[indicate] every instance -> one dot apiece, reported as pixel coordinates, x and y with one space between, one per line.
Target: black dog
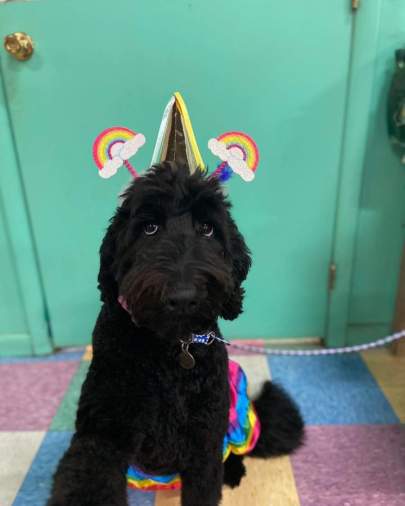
177 260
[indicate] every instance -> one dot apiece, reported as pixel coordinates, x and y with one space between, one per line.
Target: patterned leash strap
322 351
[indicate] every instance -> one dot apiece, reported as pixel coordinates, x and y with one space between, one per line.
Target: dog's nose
182 300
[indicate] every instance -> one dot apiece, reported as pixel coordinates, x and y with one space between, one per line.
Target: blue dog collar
207 338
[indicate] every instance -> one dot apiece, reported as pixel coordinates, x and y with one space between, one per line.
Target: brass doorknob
19 45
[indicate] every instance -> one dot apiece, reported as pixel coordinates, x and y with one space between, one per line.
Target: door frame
365 33
37 340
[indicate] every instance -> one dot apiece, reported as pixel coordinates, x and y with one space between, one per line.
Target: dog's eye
150 228
207 229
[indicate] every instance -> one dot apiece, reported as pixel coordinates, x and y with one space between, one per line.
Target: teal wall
304 94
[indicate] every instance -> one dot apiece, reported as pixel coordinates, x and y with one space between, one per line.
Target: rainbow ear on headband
239 155
113 148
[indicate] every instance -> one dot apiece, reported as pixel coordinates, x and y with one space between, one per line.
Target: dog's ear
107 283
241 262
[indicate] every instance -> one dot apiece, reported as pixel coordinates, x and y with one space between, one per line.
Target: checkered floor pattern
353 405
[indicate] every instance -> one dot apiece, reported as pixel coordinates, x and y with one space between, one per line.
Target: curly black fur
137 404
282 426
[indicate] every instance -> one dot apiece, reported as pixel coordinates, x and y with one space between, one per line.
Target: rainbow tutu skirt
241 437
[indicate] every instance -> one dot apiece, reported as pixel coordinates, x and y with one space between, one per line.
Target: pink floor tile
351 465
31 393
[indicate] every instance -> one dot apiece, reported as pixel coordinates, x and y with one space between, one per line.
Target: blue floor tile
336 389
35 489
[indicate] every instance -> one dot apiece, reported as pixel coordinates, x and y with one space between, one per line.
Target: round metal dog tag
186 359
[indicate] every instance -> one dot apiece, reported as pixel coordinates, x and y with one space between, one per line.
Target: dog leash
187 361
323 351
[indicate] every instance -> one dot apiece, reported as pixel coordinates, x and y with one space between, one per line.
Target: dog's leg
234 470
91 473
202 482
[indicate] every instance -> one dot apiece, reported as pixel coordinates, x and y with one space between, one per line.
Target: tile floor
354 407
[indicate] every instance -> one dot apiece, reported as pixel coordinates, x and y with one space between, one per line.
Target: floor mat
353 406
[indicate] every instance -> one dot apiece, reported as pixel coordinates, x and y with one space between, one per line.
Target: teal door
381 220
277 70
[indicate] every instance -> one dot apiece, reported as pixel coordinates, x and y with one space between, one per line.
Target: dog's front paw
234 470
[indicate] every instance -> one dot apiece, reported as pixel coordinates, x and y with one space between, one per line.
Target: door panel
381 223
96 66
23 325
12 318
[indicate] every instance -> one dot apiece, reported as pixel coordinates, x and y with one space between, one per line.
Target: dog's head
174 254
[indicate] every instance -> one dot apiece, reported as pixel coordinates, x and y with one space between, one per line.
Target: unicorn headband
238 152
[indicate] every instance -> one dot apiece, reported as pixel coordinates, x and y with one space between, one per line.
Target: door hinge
332 277
355 5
